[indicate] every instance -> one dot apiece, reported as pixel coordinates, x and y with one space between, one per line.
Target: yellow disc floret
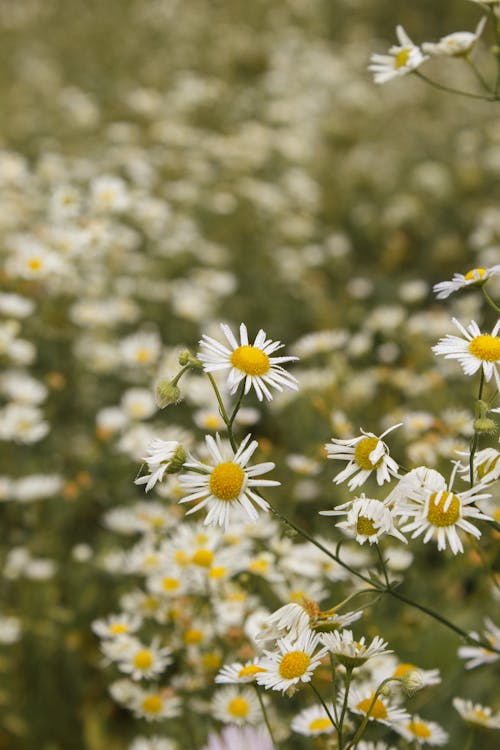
475 274
402 58
485 347
294 664
203 558
378 711
250 360
226 481
362 453
437 515
238 707
403 669
170 584
365 526
152 704
419 729
118 628
250 670
143 660
320 725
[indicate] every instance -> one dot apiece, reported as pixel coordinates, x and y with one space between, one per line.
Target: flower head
293 661
365 454
250 363
361 701
474 277
162 456
240 738
352 653
458 44
367 518
476 715
401 59
228 483
474 351
233 705
476 655
422 732
312 722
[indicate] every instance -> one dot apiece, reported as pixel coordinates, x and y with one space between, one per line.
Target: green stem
334 689
496 26
320 698
475 438
237 405
179 375
348 678
488 299
223 412
265 716
450 90
353 743
470 740
478 75
384 569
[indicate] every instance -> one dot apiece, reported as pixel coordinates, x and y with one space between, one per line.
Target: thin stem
237 406
353 743
488 299
264 714
475 438
321 700
348 678
450 90
181 372
384 569
223 411
334 689
478 75
496 26
470 740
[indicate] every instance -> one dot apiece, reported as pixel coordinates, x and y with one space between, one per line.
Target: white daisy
401 59
240 738
474 277
162 456
360 701
458 44
227 483
144 662
474 351
156 704
115 626
237 673
352 653
312 722
294 661
367 519
365 454
234 705
152 743
440 513
290 620
475 654
486 465
476 715
422 732
251 363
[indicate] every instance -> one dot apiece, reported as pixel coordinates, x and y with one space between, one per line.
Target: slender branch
348 678
384 569
265 716
475 437
450 90
353 743
488 299
223 412
322 701
237 405
482 82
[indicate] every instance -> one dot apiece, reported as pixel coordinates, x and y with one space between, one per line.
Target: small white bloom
365 454
474 351
458 44
144 662
402 59
234 705
237 673
476 715
293 661
312 722
476 655
360 702
352 653
367 519
160 454
474 277
422 732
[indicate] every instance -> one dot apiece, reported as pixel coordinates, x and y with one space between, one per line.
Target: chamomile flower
486 465
440 514
475 654
144 662
474 277
474 351
422 732
312 722
162 456
250 363
458 44
401 59
237 673
352 653
234 705
291 620
365 454
116 626
155 705
360 702
476 715
228 483
293 661
367 519
240 738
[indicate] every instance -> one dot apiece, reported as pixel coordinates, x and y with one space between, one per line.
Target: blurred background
165 165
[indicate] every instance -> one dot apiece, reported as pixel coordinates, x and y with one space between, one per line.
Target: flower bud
412 682
177 461
167 394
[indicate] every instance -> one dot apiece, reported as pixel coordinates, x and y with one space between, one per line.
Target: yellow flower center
378 711
203 558
212 422
152 704
485 347
362 453
217 572
193 636
143 659
436 515
403 669
250 360
238 707
250 670
169 584
319 725
294 664
143 355
226 481
401 58
211 660
181 558
475 274
258 566
35 264
481 715
419 729
118 628
365 526
486 466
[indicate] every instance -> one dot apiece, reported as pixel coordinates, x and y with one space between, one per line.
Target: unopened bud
412 682
177 461
485 425
186 358
167 394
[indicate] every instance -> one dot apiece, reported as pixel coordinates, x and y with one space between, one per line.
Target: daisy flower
477 655
359 702
250 363
486 465
365 454
227 483
441 513
162 456
115 626
367 518
476 715
294 661
312 722
474 351
290 620
237 673
474 277
144 662
239 738
156 705
401 59
422 732
351 653
236 706
458 44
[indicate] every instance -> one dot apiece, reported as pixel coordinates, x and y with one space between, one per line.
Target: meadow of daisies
250 374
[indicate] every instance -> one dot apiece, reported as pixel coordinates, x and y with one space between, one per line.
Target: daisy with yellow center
252 364
360 702
293 661
156 705
400 60
440 513
351 653
367 519
476 715
422 732
366 454
234 705
116 626
312 722
227 485
237 673
478 656
474 351
474 277
145 662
